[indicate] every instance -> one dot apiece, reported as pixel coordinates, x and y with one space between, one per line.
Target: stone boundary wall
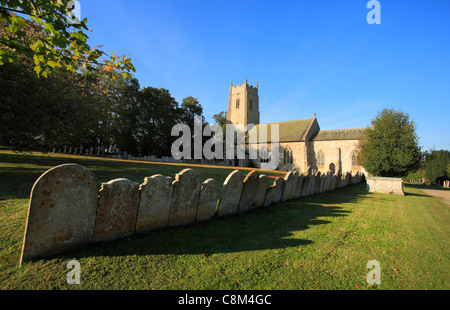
69 209
385 185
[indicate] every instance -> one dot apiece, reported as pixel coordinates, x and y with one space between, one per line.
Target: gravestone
327 181
117 209
263 185
333 182
317 184
62 210
299 186
207 201
312 183
290 184
249 190
155 200
186 190
274 192
231 194
306 181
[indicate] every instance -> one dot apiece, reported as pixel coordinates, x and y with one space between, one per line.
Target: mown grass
318 242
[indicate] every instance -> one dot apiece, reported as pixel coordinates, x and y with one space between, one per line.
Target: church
302 145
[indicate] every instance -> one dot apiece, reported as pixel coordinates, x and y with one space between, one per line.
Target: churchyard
317 242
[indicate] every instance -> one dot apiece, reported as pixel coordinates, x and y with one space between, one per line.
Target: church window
355 159
251 104
237 104
332 168
288 159
320 159
263 154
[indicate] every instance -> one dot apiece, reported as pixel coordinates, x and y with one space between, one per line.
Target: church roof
340 134
289 131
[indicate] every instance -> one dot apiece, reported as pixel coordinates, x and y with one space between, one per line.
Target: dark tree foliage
390 147
437 165
97 108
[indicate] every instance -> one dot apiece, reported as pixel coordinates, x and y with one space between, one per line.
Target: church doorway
332 168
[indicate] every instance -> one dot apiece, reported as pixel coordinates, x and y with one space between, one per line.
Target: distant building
303 145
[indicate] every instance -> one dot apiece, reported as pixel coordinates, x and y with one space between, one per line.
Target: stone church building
302 144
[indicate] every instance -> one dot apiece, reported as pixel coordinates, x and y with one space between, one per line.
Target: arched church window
332 168
320 159
263 154
251 104
237 104
288 159
355 159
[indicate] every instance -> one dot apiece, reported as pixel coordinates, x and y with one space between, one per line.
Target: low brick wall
385 185
68 207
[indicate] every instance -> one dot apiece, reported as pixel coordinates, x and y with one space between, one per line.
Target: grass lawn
318 242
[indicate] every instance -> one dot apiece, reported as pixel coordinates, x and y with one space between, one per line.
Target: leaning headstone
263 185
186 189
207 201
62 210
117 209
333 182
306 181
231 194
326 186
312 183
155 199
274 192
290 182
317 184
348 178
299 186
249 190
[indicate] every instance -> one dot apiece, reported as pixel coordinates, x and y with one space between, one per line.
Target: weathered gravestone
117 209
231 194
305 188
273 194
290 185
317 184
207 202
154 203
249 190
186 190
299 186
322 183
312 184
61 213
332 182
263 185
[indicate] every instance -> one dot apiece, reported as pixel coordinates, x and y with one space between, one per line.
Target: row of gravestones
68 208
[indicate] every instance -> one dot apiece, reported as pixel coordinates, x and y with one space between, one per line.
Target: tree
41 114
390 147
63 44
158 113
436 165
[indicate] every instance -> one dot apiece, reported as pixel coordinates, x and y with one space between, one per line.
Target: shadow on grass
271 227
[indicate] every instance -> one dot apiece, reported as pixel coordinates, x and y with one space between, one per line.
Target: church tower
243 105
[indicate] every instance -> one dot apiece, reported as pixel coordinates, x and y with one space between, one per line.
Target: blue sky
312 56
